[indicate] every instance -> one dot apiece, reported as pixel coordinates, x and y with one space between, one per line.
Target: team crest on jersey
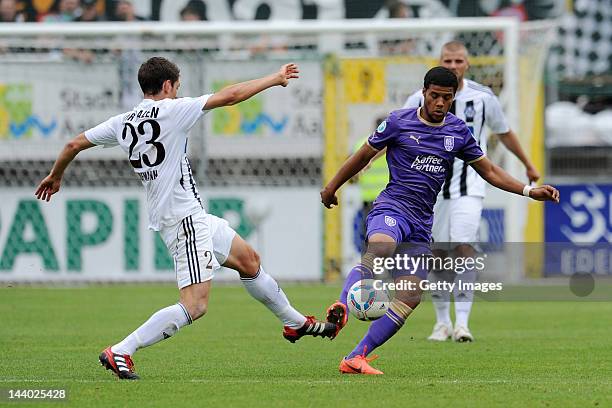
449 143
381 128
390 221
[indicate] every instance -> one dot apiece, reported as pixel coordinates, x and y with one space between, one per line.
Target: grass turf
526 353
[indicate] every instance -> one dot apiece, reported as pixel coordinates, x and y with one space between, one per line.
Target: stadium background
262 163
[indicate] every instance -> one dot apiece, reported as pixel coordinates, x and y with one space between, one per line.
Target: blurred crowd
48 11
224 10
64 11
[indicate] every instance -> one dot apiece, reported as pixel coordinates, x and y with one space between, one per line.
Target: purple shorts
413 241
387 220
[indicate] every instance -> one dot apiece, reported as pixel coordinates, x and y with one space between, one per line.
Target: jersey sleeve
414 101
385 134
494 115
188 110
106 133
470 151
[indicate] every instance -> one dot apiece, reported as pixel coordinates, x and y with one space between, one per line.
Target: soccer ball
365 302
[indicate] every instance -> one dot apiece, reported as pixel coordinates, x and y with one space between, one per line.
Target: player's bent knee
464 250
410 298
381 249
381 245
249 264
197 310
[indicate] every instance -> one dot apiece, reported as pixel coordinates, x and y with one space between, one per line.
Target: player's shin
383 329
265 289
161 325
363 270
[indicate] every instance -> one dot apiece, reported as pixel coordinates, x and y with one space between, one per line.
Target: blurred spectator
401 45
515 9
195 10
9 12
398 9
90 11
64 11
89 14
125 11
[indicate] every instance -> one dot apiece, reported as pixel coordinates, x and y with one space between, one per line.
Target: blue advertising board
578 231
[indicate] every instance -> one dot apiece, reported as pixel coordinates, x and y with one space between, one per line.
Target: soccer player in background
421 144
154 136
459 206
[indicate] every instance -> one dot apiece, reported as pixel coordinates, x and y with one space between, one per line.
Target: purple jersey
419 155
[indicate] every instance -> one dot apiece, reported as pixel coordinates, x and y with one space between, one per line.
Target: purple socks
379 332
357 273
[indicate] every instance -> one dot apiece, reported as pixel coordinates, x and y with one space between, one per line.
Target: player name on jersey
148 175
154 137
143 113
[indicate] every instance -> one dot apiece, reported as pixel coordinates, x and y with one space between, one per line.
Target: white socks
166 322
162 325
463 298
441 298
264 288
462 312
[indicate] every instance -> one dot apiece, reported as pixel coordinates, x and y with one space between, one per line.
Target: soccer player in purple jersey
422 144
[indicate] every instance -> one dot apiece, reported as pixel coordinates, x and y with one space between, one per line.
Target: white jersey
154 136
477 106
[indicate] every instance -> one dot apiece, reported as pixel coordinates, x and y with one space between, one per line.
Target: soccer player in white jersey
154 136
459 206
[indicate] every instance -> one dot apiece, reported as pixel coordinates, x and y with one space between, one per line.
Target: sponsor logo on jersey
390 221
428 163
449 143
381 128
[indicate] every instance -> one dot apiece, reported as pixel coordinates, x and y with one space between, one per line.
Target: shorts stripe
187 251
195 249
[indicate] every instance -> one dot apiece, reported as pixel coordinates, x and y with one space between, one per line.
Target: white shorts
199 245
457 220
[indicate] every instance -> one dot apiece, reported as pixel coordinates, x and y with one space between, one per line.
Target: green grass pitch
526 354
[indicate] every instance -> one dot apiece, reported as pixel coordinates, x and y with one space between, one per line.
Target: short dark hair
442 77
195 7
154 72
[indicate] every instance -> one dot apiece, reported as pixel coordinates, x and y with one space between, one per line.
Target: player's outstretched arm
498 177
233 94
511 141
51 184
349 169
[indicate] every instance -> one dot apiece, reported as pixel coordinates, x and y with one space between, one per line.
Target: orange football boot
359 365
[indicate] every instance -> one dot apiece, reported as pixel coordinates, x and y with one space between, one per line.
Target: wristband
526 190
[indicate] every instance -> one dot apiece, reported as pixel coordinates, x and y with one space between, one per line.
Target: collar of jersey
465 85
429 123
